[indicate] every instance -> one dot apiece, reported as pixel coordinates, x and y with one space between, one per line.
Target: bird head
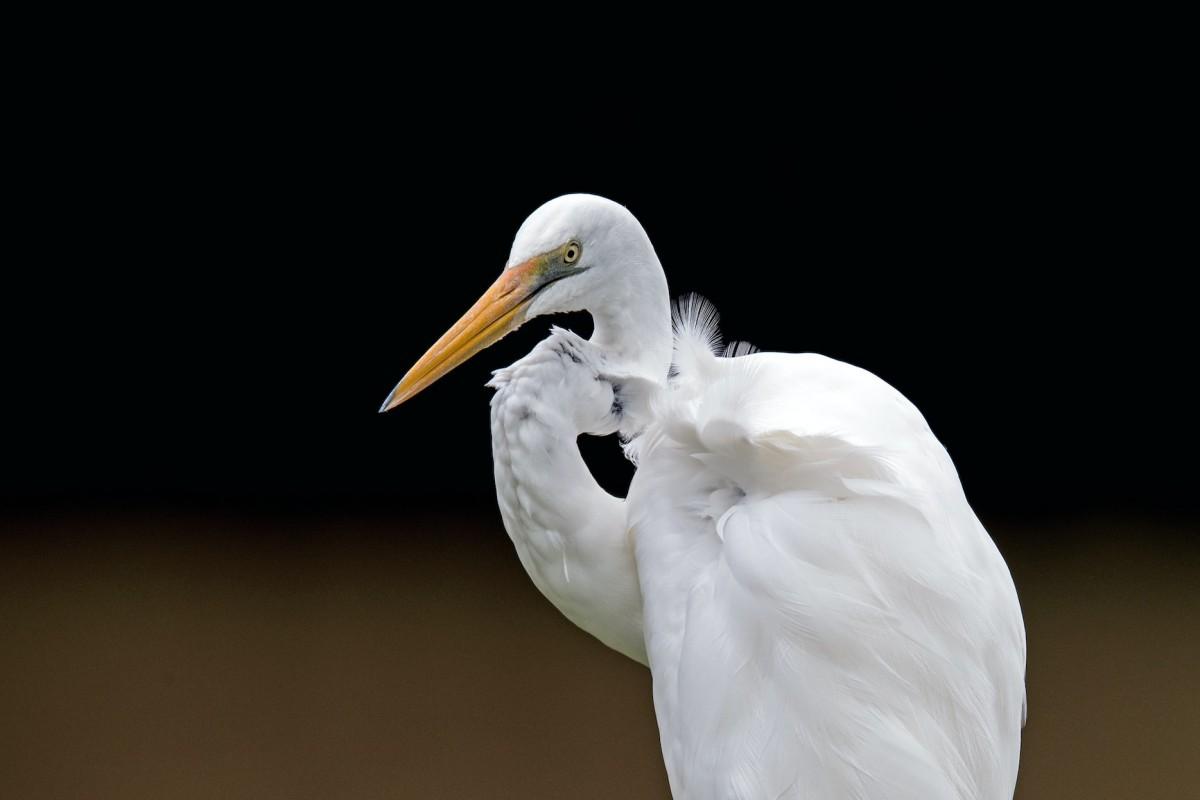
566 257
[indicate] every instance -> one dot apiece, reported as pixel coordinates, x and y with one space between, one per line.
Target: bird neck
632 318
569 533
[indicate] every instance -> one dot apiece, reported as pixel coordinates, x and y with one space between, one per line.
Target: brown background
334 656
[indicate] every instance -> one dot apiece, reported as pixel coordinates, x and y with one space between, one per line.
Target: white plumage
823 614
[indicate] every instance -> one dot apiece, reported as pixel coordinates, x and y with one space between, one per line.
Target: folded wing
825 616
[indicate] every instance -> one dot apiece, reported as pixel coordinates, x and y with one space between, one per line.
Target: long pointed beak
500 311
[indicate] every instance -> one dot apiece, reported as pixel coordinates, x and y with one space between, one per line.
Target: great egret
822 613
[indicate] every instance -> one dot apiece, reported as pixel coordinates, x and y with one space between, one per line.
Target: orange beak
500 311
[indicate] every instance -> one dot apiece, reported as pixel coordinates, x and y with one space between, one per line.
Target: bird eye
572 251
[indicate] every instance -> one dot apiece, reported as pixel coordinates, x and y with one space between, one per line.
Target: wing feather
825 616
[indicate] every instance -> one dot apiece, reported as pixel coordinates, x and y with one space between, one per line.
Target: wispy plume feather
739 348
696 322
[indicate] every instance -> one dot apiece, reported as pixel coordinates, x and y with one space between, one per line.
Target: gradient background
222 574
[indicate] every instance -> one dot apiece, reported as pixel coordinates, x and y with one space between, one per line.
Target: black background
231 269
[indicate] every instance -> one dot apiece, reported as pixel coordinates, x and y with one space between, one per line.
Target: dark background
224 572
244 276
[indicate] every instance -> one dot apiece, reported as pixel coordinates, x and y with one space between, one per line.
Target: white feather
841 583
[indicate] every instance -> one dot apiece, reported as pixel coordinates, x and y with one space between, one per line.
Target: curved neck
632 316
569 533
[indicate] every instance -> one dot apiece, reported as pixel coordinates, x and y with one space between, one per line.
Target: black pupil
571 253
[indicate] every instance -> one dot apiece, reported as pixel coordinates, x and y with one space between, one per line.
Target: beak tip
388 405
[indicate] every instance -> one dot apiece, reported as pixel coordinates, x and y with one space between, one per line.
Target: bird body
822 613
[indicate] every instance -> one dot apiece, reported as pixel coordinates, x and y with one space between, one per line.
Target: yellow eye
572 252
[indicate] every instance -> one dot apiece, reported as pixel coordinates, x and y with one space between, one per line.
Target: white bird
822 613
